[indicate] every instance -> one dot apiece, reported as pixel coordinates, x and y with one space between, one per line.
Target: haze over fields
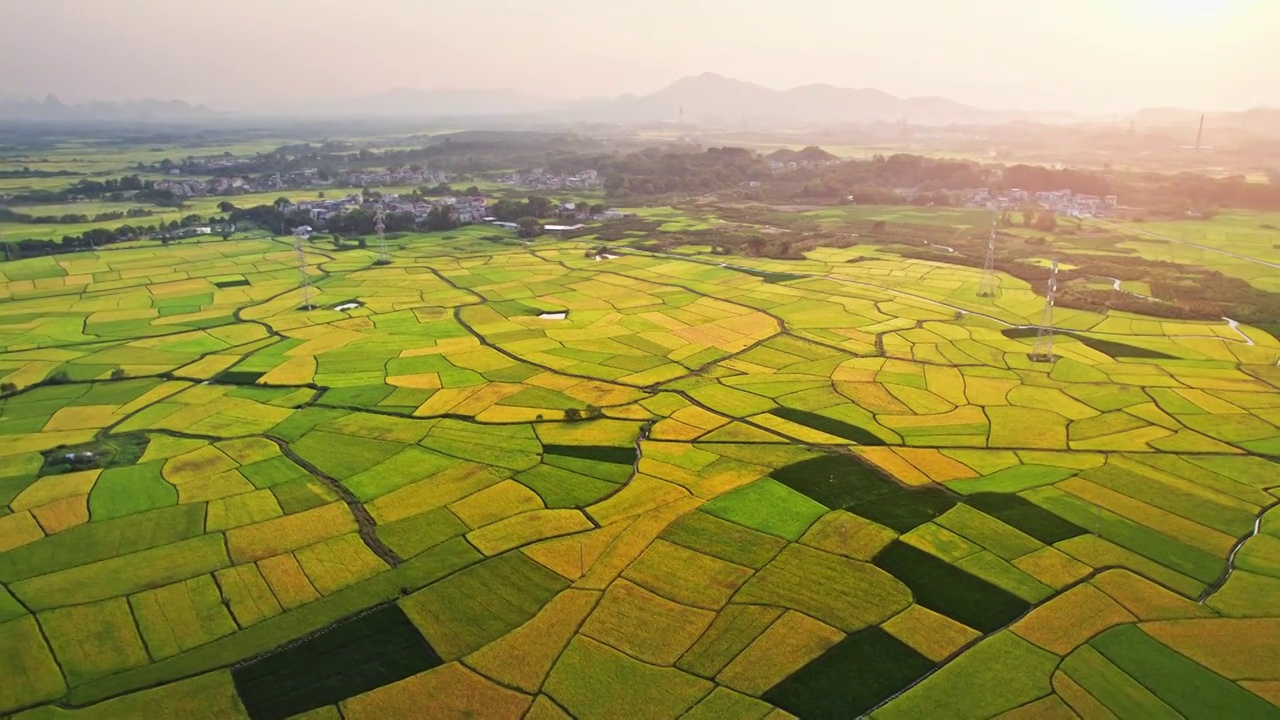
1089 56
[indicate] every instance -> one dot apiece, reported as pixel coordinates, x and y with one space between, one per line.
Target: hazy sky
1078 55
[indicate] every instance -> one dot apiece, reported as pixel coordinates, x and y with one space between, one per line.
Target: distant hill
811 154
51 109
713 98
706 98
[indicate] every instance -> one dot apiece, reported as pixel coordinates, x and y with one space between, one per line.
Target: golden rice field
690 492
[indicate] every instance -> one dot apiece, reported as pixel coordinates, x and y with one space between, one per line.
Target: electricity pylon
1042 351
381 229
987 286
301 255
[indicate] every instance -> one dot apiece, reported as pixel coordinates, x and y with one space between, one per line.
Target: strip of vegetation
1018 512
238 377
1109 348
946 589
602 453
842 482
853 676
354 656
770 277
828 425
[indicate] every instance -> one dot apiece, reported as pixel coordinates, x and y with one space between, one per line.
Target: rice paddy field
511 481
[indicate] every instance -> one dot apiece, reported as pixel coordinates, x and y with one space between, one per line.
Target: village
307 179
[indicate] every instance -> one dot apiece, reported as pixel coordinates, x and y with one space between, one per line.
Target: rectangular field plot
351 657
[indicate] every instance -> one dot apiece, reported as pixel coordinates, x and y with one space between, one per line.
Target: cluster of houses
1061 202
299 179
540 179
466 209
789 165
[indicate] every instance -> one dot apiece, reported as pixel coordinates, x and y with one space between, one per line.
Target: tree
227 206
119 374
281 203
442 217
8 388
597 209
1046 221
529 227
572 414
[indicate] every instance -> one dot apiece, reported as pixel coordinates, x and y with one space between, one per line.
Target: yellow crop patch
1071 619
291 532
451 691
788 645
843 533
213 487
642 494
687 577
287 581
206 460
1145 599
62 514
523 657
338 562
632 541
55 487
571 556
83 417
18 529
435 491
248 596
1052 567
1236 648
644 625
293 371
894 464
246 451
495 503
935 465
526 528
928 633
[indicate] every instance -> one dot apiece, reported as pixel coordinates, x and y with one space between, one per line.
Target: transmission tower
381 229
302 270
1042 351
987 286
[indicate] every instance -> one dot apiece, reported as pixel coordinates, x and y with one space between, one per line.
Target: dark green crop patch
946 589
853 676
602 453
353 656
